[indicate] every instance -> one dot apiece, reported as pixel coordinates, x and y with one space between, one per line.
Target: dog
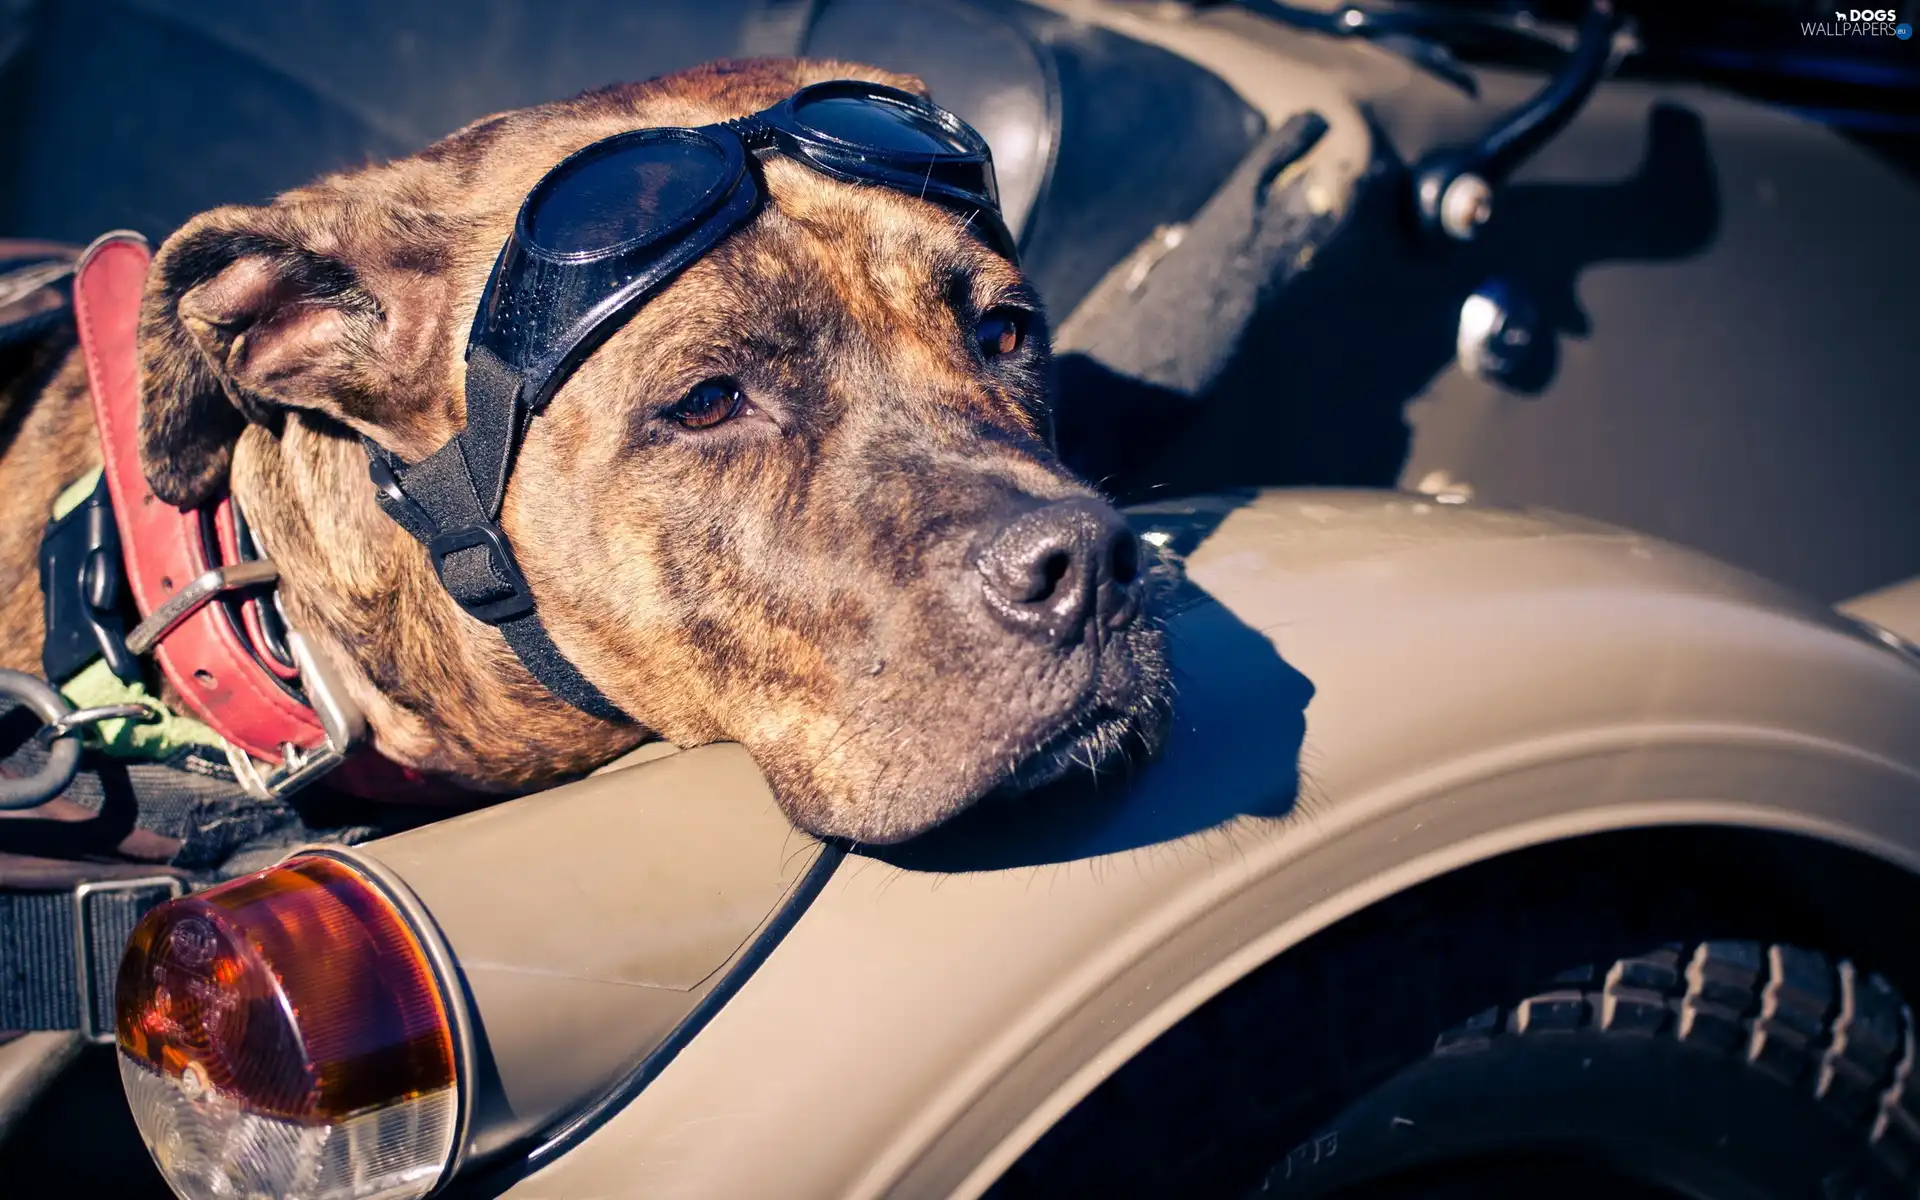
873 570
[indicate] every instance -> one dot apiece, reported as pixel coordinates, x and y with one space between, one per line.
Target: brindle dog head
804 500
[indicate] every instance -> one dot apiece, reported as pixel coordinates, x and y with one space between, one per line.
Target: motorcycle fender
1373 689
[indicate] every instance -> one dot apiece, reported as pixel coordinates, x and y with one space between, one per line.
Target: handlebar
1453 188
1419 32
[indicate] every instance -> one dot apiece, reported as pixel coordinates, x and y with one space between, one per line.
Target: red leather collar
166 548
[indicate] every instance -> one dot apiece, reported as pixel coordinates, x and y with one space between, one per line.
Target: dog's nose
1053 571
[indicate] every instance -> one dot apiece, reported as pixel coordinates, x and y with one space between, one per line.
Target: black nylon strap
40 953
530 641
493 427
450 503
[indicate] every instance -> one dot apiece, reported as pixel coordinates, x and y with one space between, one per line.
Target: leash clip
343 724
146 712
63 755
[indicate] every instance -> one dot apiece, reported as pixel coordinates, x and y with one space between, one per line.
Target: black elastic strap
40 952
556 671
450 503
493 427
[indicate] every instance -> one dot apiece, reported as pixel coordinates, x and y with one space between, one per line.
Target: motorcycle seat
1097 139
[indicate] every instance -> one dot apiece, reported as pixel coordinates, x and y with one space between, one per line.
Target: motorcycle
1518 392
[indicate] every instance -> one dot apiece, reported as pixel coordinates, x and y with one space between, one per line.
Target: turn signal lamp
286 1034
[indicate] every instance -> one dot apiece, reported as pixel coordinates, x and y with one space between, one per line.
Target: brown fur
795 579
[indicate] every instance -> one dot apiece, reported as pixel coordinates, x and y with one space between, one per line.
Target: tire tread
1290 1047
1845 1037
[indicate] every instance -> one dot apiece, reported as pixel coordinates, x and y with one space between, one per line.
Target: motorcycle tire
1643 1028
1727 1069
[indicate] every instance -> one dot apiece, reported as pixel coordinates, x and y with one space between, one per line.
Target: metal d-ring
63 757
146 712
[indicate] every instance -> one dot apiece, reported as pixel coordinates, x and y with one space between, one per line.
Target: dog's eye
710 402
1002 331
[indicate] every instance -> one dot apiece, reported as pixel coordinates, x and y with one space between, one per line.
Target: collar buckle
197 595
342 723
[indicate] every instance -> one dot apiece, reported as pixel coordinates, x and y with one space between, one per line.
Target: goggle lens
875 123
629 194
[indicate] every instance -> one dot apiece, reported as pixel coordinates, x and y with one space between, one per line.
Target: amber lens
298 993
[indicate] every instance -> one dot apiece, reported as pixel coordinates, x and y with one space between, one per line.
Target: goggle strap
450 500
431 496
534 647
450 503
493 427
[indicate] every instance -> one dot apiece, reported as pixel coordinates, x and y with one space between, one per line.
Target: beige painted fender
1448 683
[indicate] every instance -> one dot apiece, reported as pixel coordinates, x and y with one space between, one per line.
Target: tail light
287 1034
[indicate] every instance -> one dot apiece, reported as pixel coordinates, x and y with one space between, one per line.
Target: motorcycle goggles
600 234
615 222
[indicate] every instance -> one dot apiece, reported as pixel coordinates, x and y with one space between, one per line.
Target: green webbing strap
76 491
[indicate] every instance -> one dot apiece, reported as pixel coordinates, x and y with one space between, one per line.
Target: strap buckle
342 723
196 596
95 1006
63 755
492 591
81 577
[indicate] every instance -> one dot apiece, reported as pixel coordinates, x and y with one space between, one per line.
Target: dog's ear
252 311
